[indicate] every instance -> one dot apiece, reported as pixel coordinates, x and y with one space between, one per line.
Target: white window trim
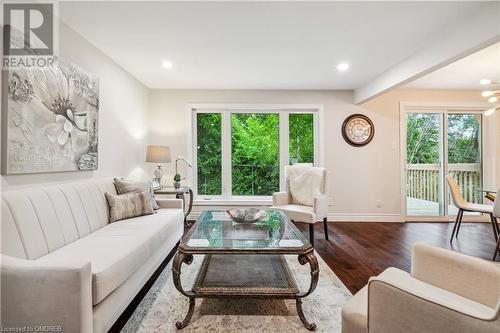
283 110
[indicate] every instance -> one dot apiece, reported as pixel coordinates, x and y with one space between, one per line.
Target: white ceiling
255 45
464 73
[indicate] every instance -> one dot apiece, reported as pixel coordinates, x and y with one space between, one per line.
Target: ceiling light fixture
492 95
343 66
166 64
489 112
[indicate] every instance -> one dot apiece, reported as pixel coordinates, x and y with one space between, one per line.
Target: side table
179 194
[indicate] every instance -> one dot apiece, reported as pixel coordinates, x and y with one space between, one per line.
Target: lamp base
159 173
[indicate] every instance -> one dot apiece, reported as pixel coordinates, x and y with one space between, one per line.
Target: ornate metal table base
227 275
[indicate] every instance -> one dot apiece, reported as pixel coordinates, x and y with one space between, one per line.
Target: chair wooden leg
326 227
459 223
311 234
456 224
495 227
497 249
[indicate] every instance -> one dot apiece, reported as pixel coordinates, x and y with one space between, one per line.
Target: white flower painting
52 120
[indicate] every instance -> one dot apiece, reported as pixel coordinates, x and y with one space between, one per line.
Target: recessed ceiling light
343 66
487 93
485 81
166 64
493 99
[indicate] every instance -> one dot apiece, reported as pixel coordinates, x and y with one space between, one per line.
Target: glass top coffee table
244 260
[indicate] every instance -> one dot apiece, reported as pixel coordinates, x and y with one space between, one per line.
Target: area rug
163 305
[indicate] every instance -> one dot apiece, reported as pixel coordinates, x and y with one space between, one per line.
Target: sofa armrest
470 277
54 294
170 203
280 198
320 206
398 305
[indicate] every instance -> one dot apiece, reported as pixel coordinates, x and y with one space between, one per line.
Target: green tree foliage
301 138
423 138
463 138
209 153
255 151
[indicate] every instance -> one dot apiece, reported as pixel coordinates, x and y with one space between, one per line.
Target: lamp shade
158 154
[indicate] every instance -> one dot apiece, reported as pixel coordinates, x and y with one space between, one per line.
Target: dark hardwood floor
358 250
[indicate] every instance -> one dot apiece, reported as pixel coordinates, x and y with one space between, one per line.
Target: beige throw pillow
124 206
126 186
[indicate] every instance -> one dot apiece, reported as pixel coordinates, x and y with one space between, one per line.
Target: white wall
123 126
358 177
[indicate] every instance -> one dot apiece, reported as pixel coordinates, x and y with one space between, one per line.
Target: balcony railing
422 181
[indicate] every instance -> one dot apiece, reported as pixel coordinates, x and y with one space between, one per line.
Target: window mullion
226 155
284 150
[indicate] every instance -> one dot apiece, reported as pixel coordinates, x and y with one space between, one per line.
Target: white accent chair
496 214
305 197
464 206
446 292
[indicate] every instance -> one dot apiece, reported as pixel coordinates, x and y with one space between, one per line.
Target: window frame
226 110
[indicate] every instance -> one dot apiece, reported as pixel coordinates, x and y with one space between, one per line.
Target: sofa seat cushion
117 250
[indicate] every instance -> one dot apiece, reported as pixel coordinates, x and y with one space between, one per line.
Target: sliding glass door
424 164
464 156
439 144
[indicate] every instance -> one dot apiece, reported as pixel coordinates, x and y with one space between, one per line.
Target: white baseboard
346 217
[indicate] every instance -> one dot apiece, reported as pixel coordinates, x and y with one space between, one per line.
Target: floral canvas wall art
52 119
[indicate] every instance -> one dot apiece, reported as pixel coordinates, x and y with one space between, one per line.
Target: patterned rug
164 305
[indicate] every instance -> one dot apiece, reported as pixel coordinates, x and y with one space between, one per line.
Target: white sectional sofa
64 265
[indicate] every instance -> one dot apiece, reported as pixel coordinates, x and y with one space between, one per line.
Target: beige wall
358 177
131 116
390 103
123 127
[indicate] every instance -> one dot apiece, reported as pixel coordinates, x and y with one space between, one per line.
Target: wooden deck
420 207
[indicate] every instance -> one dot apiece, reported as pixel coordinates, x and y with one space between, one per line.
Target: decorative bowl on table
247 215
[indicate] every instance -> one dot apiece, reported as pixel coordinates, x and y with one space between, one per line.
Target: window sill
232 202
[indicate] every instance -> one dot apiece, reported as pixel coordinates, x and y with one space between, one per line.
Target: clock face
358 130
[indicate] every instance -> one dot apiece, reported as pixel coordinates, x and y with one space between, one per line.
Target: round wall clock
358 130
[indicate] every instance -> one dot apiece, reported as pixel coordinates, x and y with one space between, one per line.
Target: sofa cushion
117 250
37 221
126 186
124 206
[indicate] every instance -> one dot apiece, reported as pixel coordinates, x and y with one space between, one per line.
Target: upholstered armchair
305 197
445 292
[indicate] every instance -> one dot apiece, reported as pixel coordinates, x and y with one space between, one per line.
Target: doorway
439 143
